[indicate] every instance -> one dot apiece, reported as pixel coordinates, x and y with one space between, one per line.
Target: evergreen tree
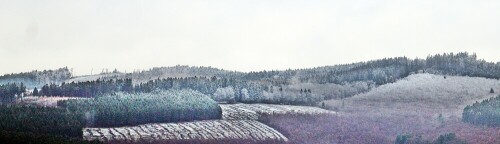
492 91
35 92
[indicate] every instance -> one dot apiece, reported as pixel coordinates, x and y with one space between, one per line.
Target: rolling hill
417 94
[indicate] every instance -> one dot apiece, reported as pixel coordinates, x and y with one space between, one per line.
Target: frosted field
198 131
252 111
419 95
239 122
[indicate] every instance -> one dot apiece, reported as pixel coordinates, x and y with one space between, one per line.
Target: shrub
449 138
402 139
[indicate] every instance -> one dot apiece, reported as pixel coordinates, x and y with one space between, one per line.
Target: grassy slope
413 105
421 94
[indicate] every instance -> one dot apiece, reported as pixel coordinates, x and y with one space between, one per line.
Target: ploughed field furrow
234 112
200 130
252 111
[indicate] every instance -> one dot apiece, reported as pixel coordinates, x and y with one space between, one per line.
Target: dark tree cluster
86 89
448 138
305 91
40 120
8 92
463 64
202 84
485 113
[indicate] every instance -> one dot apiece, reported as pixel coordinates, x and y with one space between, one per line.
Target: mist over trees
37 78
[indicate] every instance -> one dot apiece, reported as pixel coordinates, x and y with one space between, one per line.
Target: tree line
40 120
87 89
483 113
8 92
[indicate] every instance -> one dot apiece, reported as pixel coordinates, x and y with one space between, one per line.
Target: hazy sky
243 35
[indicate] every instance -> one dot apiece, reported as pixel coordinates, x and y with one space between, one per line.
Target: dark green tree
35 92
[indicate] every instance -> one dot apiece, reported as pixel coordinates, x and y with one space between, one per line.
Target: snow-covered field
43 101
252 111
196 131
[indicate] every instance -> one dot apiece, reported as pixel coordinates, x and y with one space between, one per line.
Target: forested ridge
277 86
183 93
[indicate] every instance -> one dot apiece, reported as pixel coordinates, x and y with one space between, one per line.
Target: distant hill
161 73
380 71
37 78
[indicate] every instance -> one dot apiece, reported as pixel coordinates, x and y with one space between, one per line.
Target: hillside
421 93
424 106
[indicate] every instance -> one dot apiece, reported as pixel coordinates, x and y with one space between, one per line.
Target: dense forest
123 109
40 120
485 113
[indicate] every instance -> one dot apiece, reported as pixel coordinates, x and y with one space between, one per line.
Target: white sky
243 35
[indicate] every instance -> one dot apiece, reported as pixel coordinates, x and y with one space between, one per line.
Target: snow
252 111
199 130
239 122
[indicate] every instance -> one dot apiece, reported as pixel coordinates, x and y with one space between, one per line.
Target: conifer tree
35 92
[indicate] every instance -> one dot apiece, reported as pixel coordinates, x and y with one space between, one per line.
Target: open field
359 129
420 95
253 111
239 124
421 104
193 131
